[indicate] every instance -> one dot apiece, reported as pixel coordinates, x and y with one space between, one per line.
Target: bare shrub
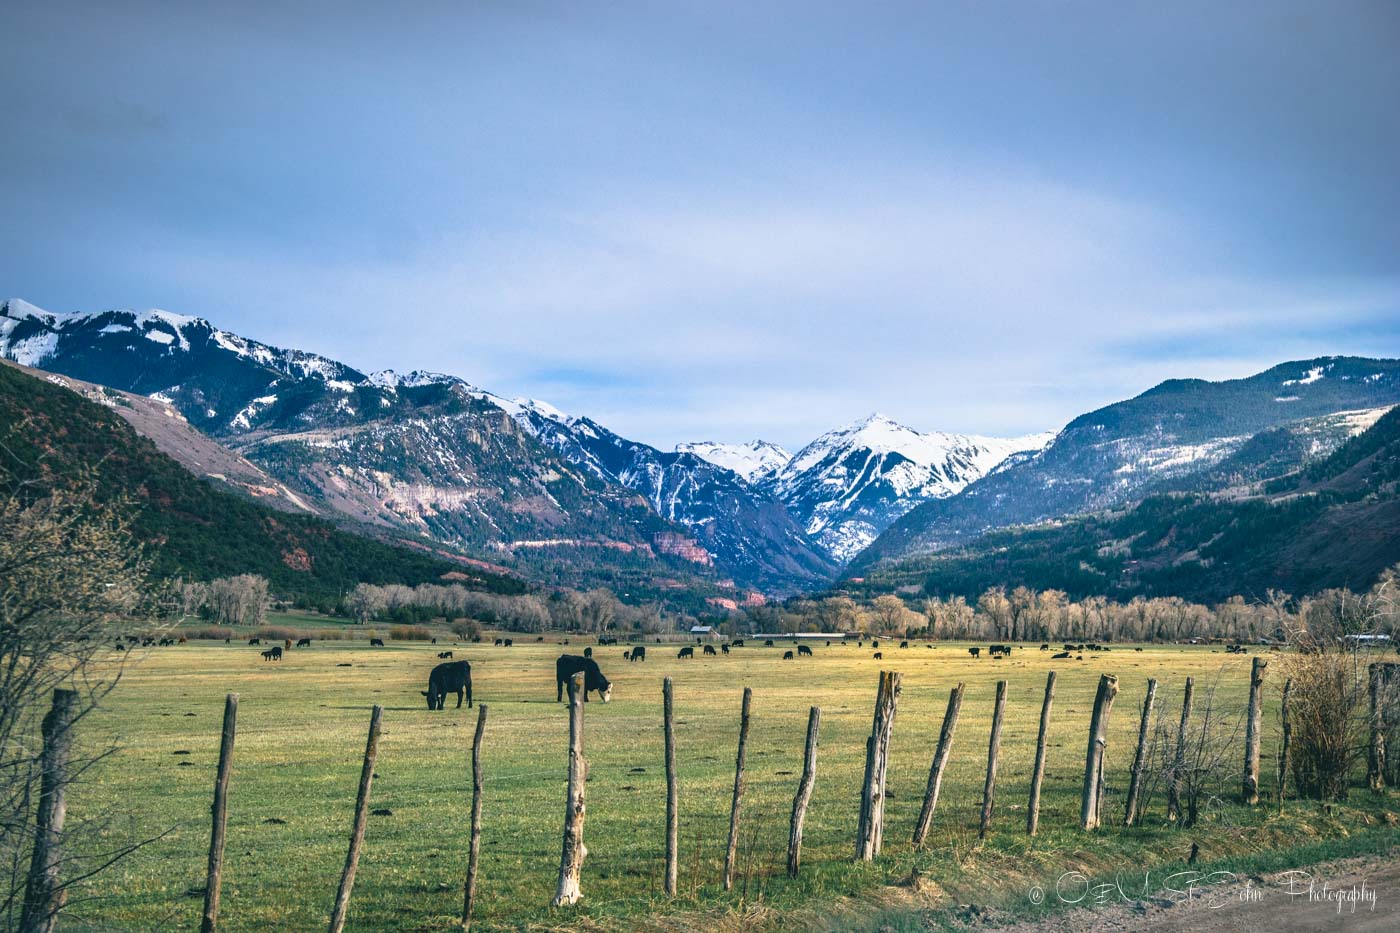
409 633
277 633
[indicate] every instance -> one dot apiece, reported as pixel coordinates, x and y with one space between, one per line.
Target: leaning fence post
44 895
357 833
993 751
940 761
871 830
1284 762
474 847
215 878
733 848
1140 758
804 792
1091 808
672 792
1250 790
1179 759
1038 772
1375 760
574 851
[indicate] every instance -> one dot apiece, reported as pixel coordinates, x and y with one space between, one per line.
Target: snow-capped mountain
1175 431
850 484
430 453
753 461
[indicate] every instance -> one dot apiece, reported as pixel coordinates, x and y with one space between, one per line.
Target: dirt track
1357 894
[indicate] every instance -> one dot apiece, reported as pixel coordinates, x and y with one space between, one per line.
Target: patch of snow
1287 398
160 336
116 329
244 419
754 459
1312 376
31 351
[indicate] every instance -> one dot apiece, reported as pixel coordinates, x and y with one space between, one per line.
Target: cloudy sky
718 220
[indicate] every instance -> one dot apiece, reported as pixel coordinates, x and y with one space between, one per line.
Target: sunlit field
301 734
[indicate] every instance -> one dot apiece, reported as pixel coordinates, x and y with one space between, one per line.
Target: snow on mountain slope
752 461
850 484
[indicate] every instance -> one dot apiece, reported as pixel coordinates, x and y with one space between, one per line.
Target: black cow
452 677
303 643
874 644
272 654
570 664
1062 654
768 643
724 647
709 649
803 649
588 652
904 644
879 656
255 641
787 655
997 650
687 652
1137 649
975 652
498 642
509 642
639 653
444 654
737 643
1045 647
376 643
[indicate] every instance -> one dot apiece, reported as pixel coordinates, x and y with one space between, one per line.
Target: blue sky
725 221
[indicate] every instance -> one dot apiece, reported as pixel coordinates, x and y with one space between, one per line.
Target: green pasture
301 735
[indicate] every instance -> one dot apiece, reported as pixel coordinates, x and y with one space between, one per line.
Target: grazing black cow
303 643
606 640
803 649
904 644
452 677
541 638
768 643
255 641
879 656
860 644
1079 657
509 642
787 655
121 647
444 654
709 649
570 664
1045 647
975 652
874 644
376 643
1137 649
435 641
724 647
272 654
687 652
738 643
566 641
1062 654
587 652
498 642
639 653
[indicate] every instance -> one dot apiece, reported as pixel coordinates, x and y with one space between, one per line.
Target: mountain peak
752 460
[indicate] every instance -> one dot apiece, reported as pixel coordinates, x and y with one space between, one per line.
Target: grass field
301 735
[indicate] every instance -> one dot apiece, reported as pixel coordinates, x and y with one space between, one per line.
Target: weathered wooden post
1038 772
215 878
44 895
993 751
804 792
1284 755
474 847
1179 759
1253 726
733 848
571 858
940 761
871 830
672 792
1130 813
1091 807
1381 675
357 832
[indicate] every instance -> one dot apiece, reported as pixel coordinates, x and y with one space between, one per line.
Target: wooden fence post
357 832
1179 759
871 830
1253 726
574 851
804 792
1376 761
474 847
1284 761
1038 772
215 878
1091 808
1130 813
940 761
672 792
993 751
733 848
44 895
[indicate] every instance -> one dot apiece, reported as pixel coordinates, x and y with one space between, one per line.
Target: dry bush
410 633
277 633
